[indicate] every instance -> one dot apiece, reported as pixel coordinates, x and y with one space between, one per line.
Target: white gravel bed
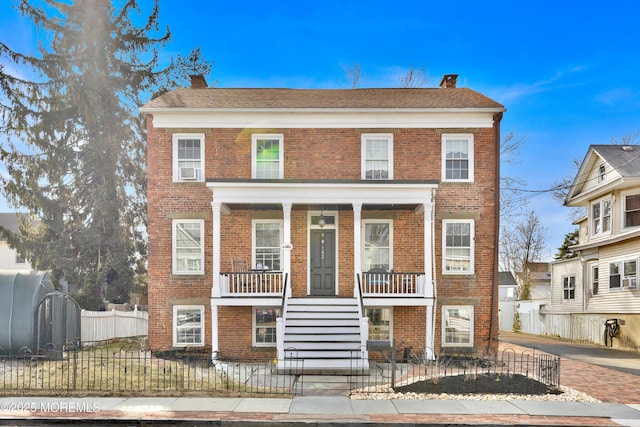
386 393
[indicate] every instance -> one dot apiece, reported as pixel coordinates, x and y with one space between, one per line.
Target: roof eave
151 110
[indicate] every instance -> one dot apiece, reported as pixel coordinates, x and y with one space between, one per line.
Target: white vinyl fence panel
105 325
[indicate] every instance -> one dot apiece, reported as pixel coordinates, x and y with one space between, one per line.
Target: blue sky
567 74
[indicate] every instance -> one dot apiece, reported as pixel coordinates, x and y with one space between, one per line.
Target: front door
322 262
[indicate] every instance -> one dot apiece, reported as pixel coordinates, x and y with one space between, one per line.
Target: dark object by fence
611 329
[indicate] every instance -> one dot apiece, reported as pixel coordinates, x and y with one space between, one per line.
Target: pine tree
570 239
76 154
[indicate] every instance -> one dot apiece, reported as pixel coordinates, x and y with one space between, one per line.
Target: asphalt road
620 360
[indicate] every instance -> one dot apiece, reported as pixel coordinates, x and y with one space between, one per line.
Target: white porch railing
252 283
393 284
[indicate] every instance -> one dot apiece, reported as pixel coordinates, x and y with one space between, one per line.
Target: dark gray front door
322 263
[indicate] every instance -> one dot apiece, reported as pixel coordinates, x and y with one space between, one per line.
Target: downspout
433 272
494 290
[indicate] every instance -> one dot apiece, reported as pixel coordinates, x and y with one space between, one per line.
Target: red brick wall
318 154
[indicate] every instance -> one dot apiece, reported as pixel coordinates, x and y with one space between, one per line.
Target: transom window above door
377 156
267 158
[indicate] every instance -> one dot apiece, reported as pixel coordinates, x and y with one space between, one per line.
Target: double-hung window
267 244
379 323
623 274
632 210
377 156
595 279
458 247
264 326
188 325
569 287
457 326
377 244
188 157
457 157
188 246
602 173
601 217
267 156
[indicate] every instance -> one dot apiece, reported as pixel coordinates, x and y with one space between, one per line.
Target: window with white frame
267 244
569 287
379 323
458 247
188 246
602 173
377 250
601 217
377 156
632 210
267 153
595 279
188 157
457 326
264 326
457 157
623 274
188 325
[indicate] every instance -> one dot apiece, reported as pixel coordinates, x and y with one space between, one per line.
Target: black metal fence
101 371
403 372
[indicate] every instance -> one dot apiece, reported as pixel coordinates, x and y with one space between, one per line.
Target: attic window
602 173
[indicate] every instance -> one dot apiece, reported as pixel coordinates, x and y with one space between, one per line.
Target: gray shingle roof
10 221
626 162
421 98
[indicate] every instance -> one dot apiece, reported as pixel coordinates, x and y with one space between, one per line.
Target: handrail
360 296
284 294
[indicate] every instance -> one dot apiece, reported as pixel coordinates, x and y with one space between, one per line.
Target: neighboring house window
632 210
188 157
188 325
264 326
378 241
377 156
623 274
457 242
188 246
379 323
602 173
594 279
457 326
267 156
601 217
457 157
569 287
267 244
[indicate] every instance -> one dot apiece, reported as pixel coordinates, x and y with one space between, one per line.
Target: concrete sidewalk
307 411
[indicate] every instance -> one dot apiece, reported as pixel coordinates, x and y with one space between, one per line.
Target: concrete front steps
322 336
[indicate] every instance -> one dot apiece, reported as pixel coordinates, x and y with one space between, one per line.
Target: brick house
304 223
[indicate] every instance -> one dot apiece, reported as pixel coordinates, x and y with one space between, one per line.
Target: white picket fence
104 325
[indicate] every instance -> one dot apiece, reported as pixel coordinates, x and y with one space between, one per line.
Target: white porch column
357 245
430 333
286 238
216 208
429 249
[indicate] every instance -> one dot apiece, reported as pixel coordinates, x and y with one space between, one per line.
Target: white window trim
471 326
174 259
568 288
472 263
469 138
254 141
178 136
253 238
175 325
390 319
592 218
363 155
623 212
602 172
363 236
593 266
254 325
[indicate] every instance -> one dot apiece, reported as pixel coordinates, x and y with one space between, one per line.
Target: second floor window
601 217
458 248
267 244
457 157
377 156
188 157
632 210
267 156
377 237
188 247
569 287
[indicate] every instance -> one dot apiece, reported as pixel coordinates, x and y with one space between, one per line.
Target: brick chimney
448 80
198 81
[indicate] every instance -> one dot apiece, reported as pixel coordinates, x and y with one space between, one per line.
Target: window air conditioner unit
630 283
188 173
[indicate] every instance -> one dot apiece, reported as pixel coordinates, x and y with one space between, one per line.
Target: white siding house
9 258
